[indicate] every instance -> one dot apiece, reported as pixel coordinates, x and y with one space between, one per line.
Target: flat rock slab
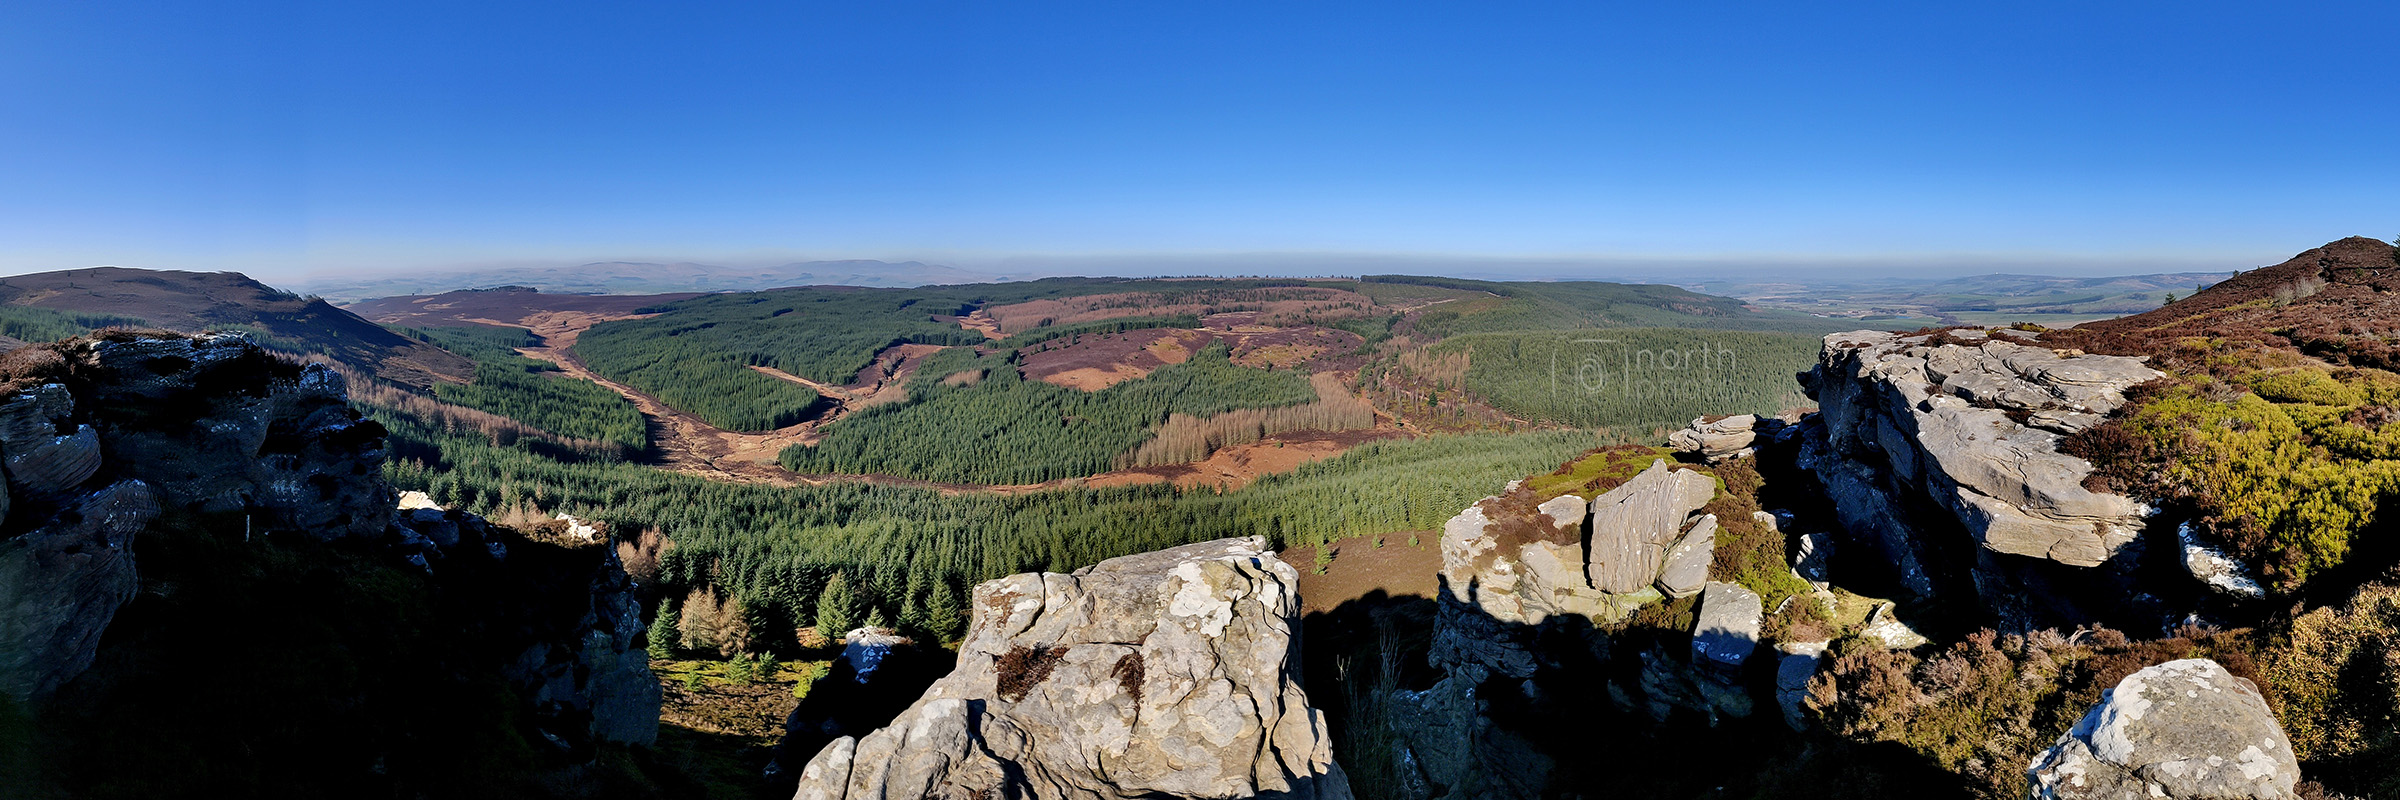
1727 630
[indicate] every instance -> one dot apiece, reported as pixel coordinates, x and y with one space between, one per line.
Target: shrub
2337 677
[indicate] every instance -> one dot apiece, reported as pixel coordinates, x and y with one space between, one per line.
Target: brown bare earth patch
1098 361
1359 568
1282 305
1093 379
1287 348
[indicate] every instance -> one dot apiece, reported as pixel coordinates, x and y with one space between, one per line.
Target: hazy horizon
294 142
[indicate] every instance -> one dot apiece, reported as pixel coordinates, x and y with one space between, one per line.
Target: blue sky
338 137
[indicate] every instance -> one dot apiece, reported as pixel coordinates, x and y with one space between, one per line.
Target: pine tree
663 632
837 607
941 611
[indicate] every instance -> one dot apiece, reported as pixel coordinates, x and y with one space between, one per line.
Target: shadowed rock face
61 584
2184 729
1165 674
104 437
103 433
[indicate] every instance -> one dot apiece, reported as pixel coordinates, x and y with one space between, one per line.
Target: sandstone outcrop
2184 729
1521 606
1500 583
1972 422
215 425
1165 674
1723 438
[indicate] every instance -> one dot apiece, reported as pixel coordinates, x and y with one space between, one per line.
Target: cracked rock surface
2184 729
1973 421
1163 674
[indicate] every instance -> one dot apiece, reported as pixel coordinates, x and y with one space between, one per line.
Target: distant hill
199 301
506 305
2339 302
640 277
1975 299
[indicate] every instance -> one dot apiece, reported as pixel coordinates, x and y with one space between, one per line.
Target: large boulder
1633 525
1165 674
2184 729
561 608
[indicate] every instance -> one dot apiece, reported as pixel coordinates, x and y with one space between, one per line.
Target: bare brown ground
1096 362
1282 305
751 710
981 321
1099 361
1360 568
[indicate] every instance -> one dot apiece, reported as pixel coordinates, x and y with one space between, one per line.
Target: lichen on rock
2184 729
1213 710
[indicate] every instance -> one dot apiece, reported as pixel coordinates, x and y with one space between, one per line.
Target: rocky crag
1165 674
142 464
1940 454
1535 594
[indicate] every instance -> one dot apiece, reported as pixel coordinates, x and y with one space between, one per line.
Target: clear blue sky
279 139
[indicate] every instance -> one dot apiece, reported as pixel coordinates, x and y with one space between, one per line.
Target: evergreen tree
662 630
942 612
837 607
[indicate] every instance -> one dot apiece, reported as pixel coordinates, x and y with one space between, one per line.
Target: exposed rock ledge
1165 674
1972 421
2184 729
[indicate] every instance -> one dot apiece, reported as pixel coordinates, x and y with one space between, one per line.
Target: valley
1434 462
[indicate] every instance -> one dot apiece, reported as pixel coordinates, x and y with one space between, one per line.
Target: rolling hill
200 301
